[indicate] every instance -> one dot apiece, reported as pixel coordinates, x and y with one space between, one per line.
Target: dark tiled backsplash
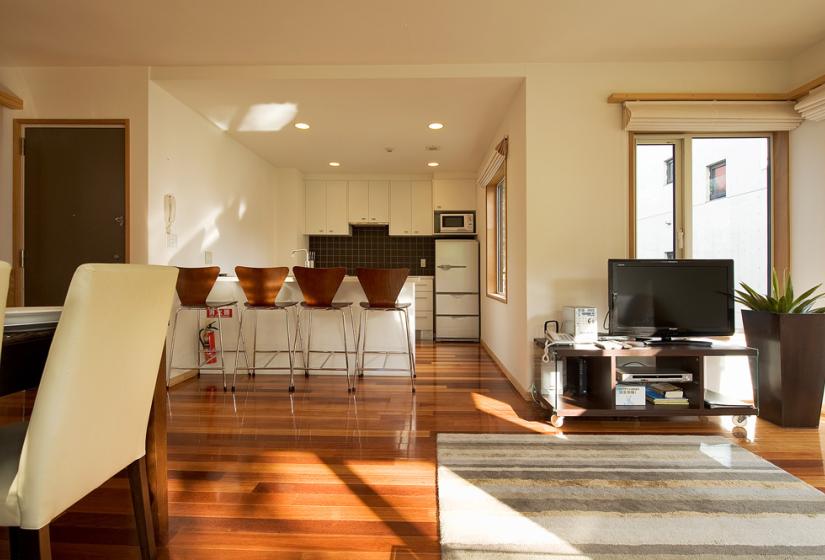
372 246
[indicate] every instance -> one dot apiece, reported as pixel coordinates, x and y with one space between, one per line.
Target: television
671 298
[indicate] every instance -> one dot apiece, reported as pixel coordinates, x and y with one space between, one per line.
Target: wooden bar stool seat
382 287
261 287
319 286
193 287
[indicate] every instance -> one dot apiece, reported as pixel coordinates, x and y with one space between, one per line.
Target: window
717 184
497 238
696 216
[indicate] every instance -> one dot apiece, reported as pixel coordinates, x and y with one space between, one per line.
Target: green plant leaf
781 299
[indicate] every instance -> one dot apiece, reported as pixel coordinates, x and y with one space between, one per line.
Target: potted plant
789 332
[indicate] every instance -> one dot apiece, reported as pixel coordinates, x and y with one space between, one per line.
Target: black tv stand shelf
598 398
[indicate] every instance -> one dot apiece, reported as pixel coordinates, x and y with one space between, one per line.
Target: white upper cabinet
316 207
326 208
400 208
422 208
359 202
379 195
369 202
337 223
411 208
454 194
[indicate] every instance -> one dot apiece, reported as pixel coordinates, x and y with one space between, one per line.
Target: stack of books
665 394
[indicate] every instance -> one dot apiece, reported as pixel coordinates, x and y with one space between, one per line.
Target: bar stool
382 286
318 286
261 287
193 287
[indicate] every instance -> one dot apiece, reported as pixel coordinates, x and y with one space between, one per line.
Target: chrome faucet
307 262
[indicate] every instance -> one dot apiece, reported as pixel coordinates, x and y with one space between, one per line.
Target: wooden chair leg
139 484
30 544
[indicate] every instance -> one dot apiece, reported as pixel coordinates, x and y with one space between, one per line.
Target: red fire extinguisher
209 343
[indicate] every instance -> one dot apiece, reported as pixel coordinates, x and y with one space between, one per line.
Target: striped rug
619 497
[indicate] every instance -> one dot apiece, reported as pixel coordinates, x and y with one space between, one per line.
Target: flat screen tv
671 298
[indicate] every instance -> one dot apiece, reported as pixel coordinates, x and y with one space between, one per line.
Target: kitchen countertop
291 278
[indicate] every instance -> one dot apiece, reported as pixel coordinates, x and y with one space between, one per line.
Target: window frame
712 169
778 191
496 252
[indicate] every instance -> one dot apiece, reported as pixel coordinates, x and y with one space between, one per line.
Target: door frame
16 287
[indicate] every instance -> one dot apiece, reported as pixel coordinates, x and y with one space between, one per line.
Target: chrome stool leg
364 322
254 343
240 347
409 347
220 341
350 385
309 343
289 353
172 347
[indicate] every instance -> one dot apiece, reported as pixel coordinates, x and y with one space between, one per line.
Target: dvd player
649 374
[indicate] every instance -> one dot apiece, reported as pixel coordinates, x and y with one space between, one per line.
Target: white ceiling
353 121
251 32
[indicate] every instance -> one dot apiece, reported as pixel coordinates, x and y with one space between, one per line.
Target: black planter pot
791 365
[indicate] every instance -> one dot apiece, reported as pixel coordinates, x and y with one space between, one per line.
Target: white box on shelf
630 395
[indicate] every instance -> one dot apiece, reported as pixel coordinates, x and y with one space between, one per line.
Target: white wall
80 93
290 203
225 193
808 182
577 169
503 325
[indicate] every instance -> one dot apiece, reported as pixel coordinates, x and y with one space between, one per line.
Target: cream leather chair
92 408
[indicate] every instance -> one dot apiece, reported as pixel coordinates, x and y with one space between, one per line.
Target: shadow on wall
219 233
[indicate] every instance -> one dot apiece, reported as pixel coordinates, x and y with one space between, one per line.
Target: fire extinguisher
208 343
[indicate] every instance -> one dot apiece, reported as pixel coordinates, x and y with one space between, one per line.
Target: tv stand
666 341
559 394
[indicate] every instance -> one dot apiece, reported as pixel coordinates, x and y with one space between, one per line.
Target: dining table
27 337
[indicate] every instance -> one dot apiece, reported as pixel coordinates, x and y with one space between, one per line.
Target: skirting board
510 377
185 376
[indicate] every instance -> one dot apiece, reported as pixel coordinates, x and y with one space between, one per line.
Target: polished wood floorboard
321 474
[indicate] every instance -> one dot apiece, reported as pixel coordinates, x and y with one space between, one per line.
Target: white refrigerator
456 289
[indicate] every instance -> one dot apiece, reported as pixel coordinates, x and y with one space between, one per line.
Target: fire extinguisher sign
225 312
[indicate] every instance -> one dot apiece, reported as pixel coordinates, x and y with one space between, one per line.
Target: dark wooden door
74 205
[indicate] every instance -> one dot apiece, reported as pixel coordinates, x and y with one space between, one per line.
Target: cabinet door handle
373 219
330 231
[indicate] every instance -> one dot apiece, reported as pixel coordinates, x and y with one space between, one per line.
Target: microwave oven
455 223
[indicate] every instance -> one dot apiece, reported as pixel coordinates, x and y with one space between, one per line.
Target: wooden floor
322 475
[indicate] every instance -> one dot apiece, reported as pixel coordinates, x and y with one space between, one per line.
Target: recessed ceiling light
334 164
301 125
435 126
433 164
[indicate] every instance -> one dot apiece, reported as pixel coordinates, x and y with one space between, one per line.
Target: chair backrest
261 285
194 284
319 285
92 407
382 285
5 273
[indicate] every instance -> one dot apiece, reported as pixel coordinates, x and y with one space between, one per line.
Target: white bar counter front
385 330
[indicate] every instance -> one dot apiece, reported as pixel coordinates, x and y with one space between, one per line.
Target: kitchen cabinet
422 208
368 202
454 194
358 202
411 208
400 208
326 208
379 194
316 211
